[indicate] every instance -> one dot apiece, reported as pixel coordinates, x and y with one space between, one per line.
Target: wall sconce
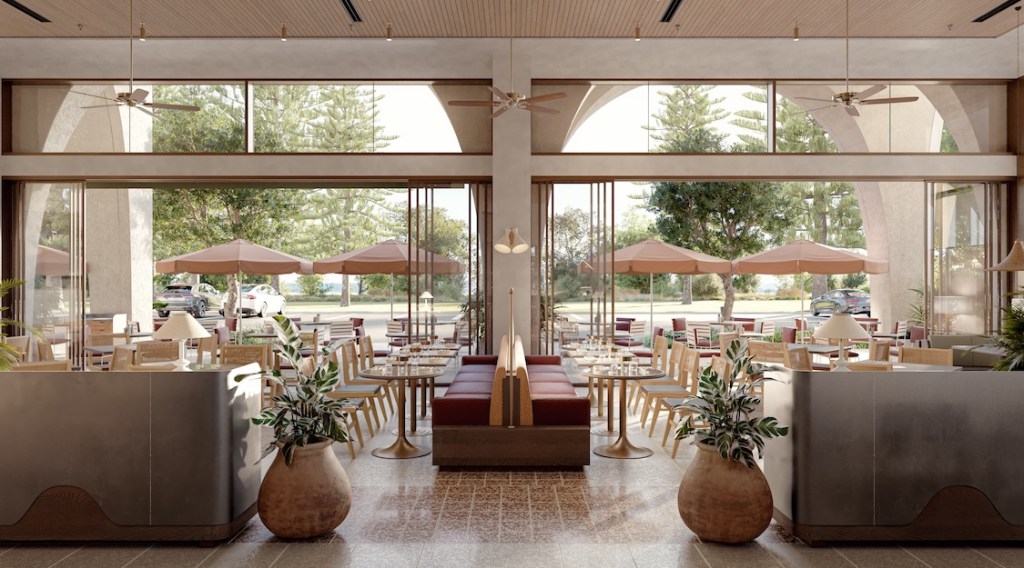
511 242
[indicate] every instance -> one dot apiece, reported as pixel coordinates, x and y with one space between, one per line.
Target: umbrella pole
650 298
392 278
802 319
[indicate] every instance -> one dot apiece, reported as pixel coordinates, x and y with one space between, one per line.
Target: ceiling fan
849 100
505 102
135 98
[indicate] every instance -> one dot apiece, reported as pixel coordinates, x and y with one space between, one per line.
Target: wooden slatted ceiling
504 18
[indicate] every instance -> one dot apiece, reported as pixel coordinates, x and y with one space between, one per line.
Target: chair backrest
798 359
637 328
123 358
244 354
44 350
767 326
678 324
722 366
100 326
342 328
917 333
788 335
699 334
347 361
155 351
659 353
689 370
43 366
901 329
725 340
878 350
675 358
926 355
767 351
100 339
396 327
310 339
658 331
365 344
20 343
869 366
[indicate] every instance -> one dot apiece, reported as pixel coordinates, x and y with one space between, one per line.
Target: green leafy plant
918 312
1011 339
304 413
723 405
9 355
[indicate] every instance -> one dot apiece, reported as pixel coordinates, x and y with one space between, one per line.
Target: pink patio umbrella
802 256
653 256
388 257
235 257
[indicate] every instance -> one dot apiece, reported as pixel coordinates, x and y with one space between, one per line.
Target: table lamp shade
181 325
841 326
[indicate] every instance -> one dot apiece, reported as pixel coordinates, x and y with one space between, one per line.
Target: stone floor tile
245 555
1009 557
596 556
662 555
102 556
949 557
389 555
172 556
876 556
35 556
315 554
802 556
752 555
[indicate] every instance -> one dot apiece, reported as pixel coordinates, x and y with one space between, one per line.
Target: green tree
683 109
636 228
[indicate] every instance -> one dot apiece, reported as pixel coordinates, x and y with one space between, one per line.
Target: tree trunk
687 290
730 296
819 285
275 281
231 300
346 297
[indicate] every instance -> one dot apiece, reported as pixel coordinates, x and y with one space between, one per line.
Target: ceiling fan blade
92 95
870 91
545 110
887 101
474 103
99 106
139 95
145 110
544 98
165 106
499 112
852 111
817 109
500 94
813 99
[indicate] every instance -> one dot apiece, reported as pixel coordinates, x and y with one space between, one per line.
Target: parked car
192 298
843 301
259 299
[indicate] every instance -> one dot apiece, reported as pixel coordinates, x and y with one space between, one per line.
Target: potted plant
9 355
306 492
724 496
1011 338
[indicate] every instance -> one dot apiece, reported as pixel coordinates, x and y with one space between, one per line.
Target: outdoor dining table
622 448
589 357
402 448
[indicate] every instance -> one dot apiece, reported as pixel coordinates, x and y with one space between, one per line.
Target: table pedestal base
623 450
401 450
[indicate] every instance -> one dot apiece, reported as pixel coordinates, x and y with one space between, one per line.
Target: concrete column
119 241
511 175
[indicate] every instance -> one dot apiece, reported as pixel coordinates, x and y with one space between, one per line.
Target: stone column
119 250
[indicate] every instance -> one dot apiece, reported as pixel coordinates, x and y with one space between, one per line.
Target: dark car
192 298
844 301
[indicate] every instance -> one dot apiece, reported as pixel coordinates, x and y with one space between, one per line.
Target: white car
259 299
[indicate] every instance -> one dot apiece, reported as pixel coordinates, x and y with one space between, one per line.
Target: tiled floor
408 514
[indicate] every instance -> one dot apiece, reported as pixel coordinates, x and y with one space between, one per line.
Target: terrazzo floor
406 513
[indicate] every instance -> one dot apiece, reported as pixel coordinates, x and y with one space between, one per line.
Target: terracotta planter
724 500
309 498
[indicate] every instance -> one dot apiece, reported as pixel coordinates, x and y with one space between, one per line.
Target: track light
387 34
142 32
511 242
284 32
636 35
796 32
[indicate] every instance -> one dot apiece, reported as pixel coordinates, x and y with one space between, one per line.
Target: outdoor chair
659 360
340 329
20 343
42 366
648 353
687 372
244 354
869 366
636 335
155 351
798 359
926 356
44 350
396 334
123 358
101 362
678 327
766 352
788 335
879 349
346 389
767 327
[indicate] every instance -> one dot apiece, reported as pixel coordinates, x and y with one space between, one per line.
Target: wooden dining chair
123 358
155 351
869 366
879 349
798 359
353 387
926 355
766 352
21 344
671 361
44 350
340 329
687 377
102 362
42 366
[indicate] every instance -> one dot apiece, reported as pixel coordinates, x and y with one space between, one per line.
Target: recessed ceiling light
387 33
142 32
796 32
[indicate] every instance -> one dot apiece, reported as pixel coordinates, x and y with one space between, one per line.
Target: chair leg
368 418
354 415
640 395
654 419
646 410
669 422
373 412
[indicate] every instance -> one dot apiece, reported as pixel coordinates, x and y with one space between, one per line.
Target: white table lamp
841 327
181 326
